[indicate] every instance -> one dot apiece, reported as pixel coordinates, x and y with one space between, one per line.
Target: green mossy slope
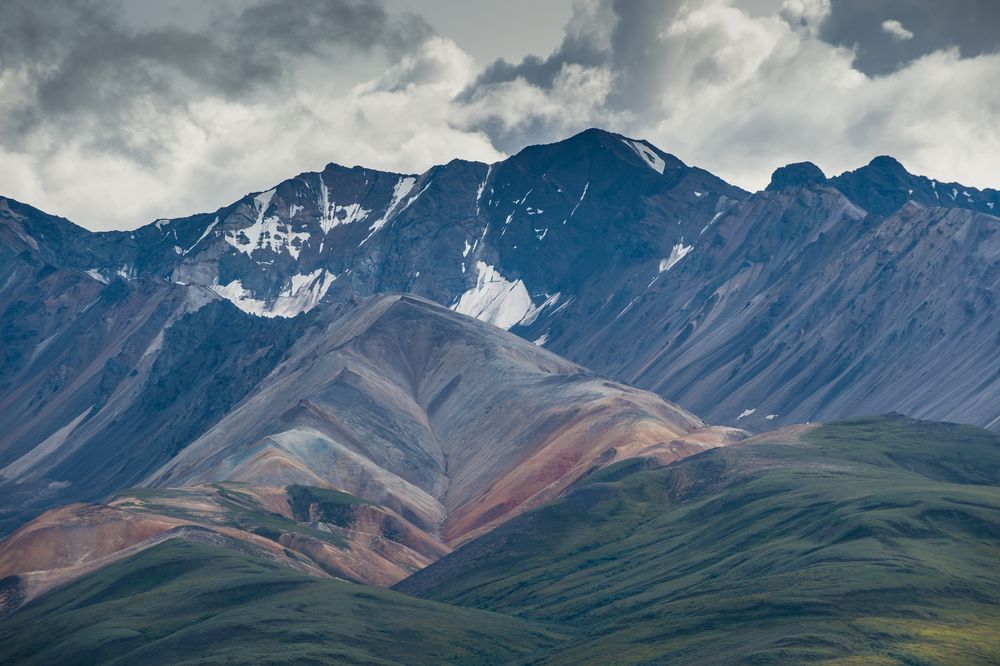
868 541
183 602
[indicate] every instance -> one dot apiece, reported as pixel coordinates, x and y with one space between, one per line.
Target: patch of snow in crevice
302 294
482 186
333 214
585 188
540 341
263 200
399 190
294 209
467 249
678 252
92 272
533 313
699 194
647 154
771 417
494 299
411 200
627 307
268 233
565 303
159 223
745 413
711 222
207 231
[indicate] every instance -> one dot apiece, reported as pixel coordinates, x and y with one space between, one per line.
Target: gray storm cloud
89 75
970 26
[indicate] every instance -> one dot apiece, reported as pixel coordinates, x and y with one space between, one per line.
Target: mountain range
474 384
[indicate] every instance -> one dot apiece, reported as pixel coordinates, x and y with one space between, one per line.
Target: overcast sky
117 112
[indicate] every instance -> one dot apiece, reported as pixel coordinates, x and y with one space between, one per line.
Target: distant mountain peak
797 174
883 186
888 164
592 143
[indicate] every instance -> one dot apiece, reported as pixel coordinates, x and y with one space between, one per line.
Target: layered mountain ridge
474 383
381 437
815 299
619 256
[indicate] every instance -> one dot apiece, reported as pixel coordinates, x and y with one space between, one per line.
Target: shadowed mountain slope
799 306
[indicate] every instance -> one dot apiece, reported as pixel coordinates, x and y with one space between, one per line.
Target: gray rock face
860 314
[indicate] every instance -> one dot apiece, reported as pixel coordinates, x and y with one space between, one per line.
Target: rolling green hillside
874 541
184 602
868 541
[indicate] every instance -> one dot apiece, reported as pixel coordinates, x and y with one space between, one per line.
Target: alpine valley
370 417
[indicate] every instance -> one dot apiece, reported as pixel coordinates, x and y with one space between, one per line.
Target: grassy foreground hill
871 541
185 602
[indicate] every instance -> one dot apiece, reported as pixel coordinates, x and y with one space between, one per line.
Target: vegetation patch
310 503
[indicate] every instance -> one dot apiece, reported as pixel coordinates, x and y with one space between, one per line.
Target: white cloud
741 95
895 29
212 150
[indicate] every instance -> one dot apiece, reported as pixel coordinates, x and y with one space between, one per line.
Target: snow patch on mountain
267 233
647 154
495 299
399 190
533 313
678 252
207 231
482 186
332 213
580 201
710 222
303 293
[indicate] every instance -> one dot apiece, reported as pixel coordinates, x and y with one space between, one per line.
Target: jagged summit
798 174
884 185
888 165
